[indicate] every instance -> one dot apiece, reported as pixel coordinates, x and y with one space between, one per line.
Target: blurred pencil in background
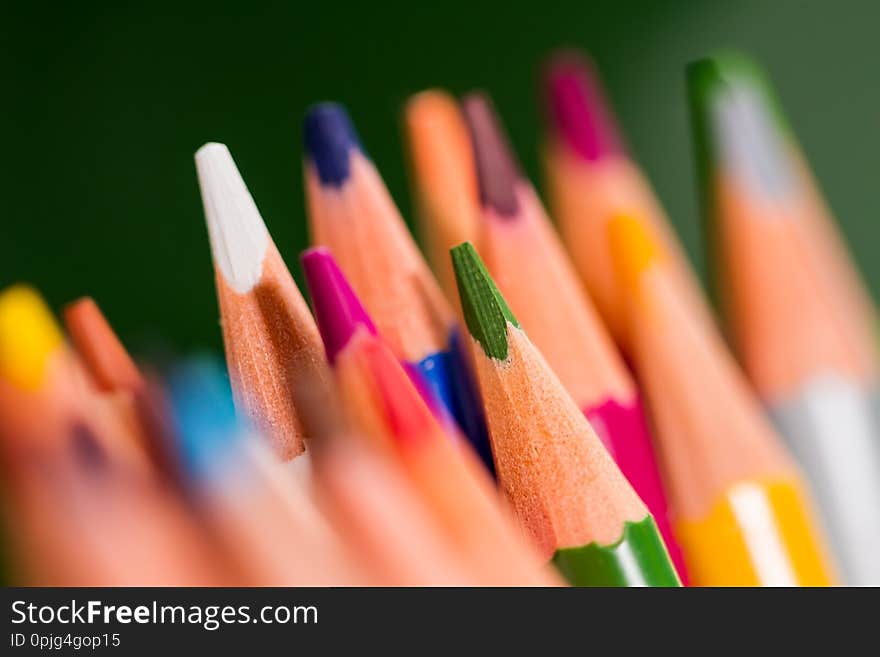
110 366
590 176
85 506
262 517
35 371
742 516
139 401
798 315
390 528
351 212
45 390
443 178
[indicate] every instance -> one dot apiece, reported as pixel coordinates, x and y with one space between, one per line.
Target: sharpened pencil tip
210 147
738 124
577 109
329 137
709 76
338 311
724 65
632 249
239 238
204 415
425 103
497 168
486 313
431 110
29 335
407 415
100 349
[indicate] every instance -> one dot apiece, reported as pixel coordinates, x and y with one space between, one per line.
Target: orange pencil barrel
740 509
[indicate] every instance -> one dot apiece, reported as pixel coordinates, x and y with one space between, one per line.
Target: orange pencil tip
97 344
429 106
440 147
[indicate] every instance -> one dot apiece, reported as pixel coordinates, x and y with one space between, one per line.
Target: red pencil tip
409 417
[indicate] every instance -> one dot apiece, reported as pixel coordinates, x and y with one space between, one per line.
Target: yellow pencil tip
632 249
28 336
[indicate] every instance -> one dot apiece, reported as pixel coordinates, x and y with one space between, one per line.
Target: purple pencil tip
337 309
497 167
577 109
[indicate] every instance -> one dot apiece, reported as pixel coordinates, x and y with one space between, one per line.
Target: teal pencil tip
486 313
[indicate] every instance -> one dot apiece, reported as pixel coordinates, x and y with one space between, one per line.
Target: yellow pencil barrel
760 533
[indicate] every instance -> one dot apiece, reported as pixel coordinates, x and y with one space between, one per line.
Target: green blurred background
108 103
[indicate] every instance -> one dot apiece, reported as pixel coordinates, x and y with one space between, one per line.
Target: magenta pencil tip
577 109
337 309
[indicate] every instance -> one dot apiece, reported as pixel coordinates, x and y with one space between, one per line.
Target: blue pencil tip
329 138
204 415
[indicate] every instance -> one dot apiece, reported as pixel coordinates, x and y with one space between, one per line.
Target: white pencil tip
238 235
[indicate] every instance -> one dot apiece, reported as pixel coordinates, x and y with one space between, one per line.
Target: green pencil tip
486 313
702 77
737 118
708 75
723 71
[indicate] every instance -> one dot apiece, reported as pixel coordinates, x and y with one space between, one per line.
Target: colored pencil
351 212
85 507
443 179
741 513
590 177
139 399
384 402
268 332
564 486
523 253
799 319
82 520
374 505
103 354
44 389
111 370
34 370
385 520
265 519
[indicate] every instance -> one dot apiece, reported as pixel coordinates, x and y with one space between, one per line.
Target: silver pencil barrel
832 426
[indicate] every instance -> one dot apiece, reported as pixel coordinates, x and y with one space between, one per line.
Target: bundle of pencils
516 407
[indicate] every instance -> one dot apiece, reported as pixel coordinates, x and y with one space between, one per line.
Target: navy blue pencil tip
329 137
